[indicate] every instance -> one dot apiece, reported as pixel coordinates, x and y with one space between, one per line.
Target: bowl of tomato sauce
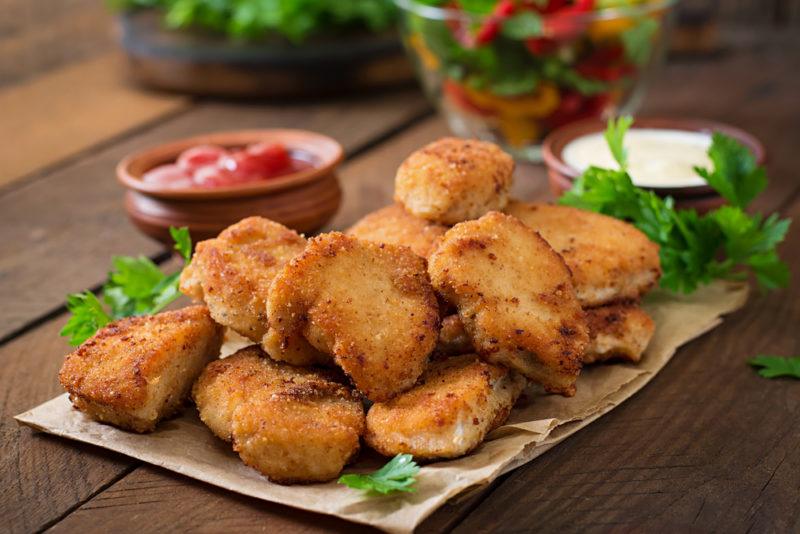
208 182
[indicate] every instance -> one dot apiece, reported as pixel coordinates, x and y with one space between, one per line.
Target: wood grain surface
707 446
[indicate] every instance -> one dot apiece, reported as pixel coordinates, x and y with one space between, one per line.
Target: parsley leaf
694 249
87 317
522 26
615 134
399 474
775 366
135 286
736 175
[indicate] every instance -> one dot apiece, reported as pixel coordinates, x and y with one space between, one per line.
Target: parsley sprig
695 249
136 286
776 366
399 474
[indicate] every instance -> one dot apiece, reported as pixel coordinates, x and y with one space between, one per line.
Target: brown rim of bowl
327 151
553 145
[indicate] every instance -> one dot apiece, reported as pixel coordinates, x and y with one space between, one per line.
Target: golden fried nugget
291 424
618 332
610 260
395 226
458 401
370 306
453 180
515 297
136 371
233 272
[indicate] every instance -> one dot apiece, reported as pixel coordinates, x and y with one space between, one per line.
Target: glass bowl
512 86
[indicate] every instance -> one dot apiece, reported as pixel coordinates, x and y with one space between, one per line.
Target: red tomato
459 97
273 158
192 159
213 176
170 176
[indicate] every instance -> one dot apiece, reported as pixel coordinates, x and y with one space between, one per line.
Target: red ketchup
207 166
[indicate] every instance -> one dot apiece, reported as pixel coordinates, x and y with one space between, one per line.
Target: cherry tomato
272 157
170 176
459 97
213 176
192 159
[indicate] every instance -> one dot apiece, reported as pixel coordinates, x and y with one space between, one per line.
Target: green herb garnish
296 20
136 286
695 249
399 474
776 366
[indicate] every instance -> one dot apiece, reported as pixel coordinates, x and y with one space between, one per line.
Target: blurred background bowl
513 90
304 200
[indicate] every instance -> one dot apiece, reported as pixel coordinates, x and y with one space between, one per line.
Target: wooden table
708 445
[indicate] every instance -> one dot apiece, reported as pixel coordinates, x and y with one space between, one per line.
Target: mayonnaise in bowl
656 157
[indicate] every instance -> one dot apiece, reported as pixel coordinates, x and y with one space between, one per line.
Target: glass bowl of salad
511 71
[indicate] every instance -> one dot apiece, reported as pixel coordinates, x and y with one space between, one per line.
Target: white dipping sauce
656 158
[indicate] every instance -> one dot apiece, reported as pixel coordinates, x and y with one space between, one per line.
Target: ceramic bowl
702 197
303 200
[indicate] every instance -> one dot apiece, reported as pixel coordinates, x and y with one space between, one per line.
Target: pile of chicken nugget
414 332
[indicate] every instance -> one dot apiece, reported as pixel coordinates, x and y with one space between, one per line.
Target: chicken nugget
610 259
233 272
458 401
137 371
453 180
370 306
618 332
395 226
291 424
515 297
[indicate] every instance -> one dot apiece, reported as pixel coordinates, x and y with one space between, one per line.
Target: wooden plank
708 446
64 112
41 478
59 232
39 36
368 183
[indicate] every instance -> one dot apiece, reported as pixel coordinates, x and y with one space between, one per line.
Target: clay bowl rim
555 142
328 151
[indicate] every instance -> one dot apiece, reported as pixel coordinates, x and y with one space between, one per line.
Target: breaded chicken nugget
289 423
458 401
453 180
616 332
619 331
610 260
232 273
370 306
515 297
395 226
136 371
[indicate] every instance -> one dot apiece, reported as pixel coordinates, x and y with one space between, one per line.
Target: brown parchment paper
539 421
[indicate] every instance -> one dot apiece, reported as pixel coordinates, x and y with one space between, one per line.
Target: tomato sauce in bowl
212 166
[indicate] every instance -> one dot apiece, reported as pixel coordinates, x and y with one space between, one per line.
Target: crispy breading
610 260
233 272
453 180
370 306
395 226
291 424
618 332
136 371
453 337
457 402
515 297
